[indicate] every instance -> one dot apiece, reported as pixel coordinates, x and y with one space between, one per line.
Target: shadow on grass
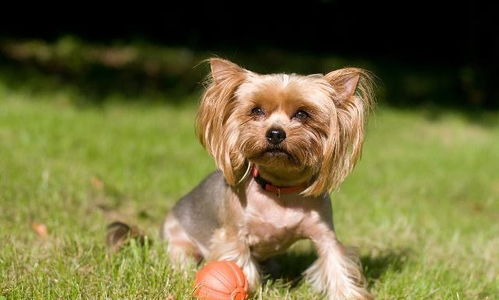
94 73
288 268
98 84
375 266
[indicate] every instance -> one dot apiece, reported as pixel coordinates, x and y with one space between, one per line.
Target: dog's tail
119 234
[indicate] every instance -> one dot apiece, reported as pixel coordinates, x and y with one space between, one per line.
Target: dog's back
198 211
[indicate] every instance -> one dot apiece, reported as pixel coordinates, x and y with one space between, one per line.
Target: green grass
422 205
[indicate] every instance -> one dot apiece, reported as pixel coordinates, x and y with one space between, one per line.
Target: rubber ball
221 280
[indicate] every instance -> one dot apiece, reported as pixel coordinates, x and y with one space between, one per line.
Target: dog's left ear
353 97
344 82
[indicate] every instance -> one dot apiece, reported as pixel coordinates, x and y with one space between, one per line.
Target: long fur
337 273
233 248
343 146
232 218
213 127
217 127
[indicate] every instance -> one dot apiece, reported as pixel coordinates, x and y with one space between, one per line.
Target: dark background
424 53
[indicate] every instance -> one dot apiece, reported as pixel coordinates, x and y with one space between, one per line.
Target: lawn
422 206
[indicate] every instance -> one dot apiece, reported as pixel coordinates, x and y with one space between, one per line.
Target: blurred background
425 54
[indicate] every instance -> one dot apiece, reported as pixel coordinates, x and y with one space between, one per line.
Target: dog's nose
275 135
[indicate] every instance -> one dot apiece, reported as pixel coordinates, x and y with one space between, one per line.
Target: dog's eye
257 111
300 115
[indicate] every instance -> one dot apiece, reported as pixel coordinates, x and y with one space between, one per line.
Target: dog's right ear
216 128
223 70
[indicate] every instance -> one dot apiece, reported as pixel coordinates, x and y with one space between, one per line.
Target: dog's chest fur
273 223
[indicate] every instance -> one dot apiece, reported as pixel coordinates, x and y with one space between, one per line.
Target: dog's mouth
273 153
276 152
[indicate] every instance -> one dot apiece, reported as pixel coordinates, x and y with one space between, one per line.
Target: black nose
275 135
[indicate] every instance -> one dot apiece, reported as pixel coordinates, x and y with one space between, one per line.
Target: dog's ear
344 83
222 70
216 128
353 97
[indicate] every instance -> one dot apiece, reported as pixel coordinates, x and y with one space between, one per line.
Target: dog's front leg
231 245
336 271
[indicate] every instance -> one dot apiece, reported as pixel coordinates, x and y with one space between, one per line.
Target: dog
281 143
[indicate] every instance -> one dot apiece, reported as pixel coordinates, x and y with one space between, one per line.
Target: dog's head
294 128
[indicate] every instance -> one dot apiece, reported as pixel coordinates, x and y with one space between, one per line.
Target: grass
422 205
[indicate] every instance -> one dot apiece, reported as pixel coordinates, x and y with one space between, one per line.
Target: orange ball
221 280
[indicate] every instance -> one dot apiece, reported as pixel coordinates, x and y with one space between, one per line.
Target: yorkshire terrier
282 143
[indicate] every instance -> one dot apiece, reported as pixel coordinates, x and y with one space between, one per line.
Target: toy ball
221 280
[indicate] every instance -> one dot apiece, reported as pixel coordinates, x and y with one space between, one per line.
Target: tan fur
323 119
346 132
337 271
213 127
343 98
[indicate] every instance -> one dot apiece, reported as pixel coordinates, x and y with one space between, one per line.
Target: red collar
278 190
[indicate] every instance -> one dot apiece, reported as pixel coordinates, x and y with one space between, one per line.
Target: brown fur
330 145
320 120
